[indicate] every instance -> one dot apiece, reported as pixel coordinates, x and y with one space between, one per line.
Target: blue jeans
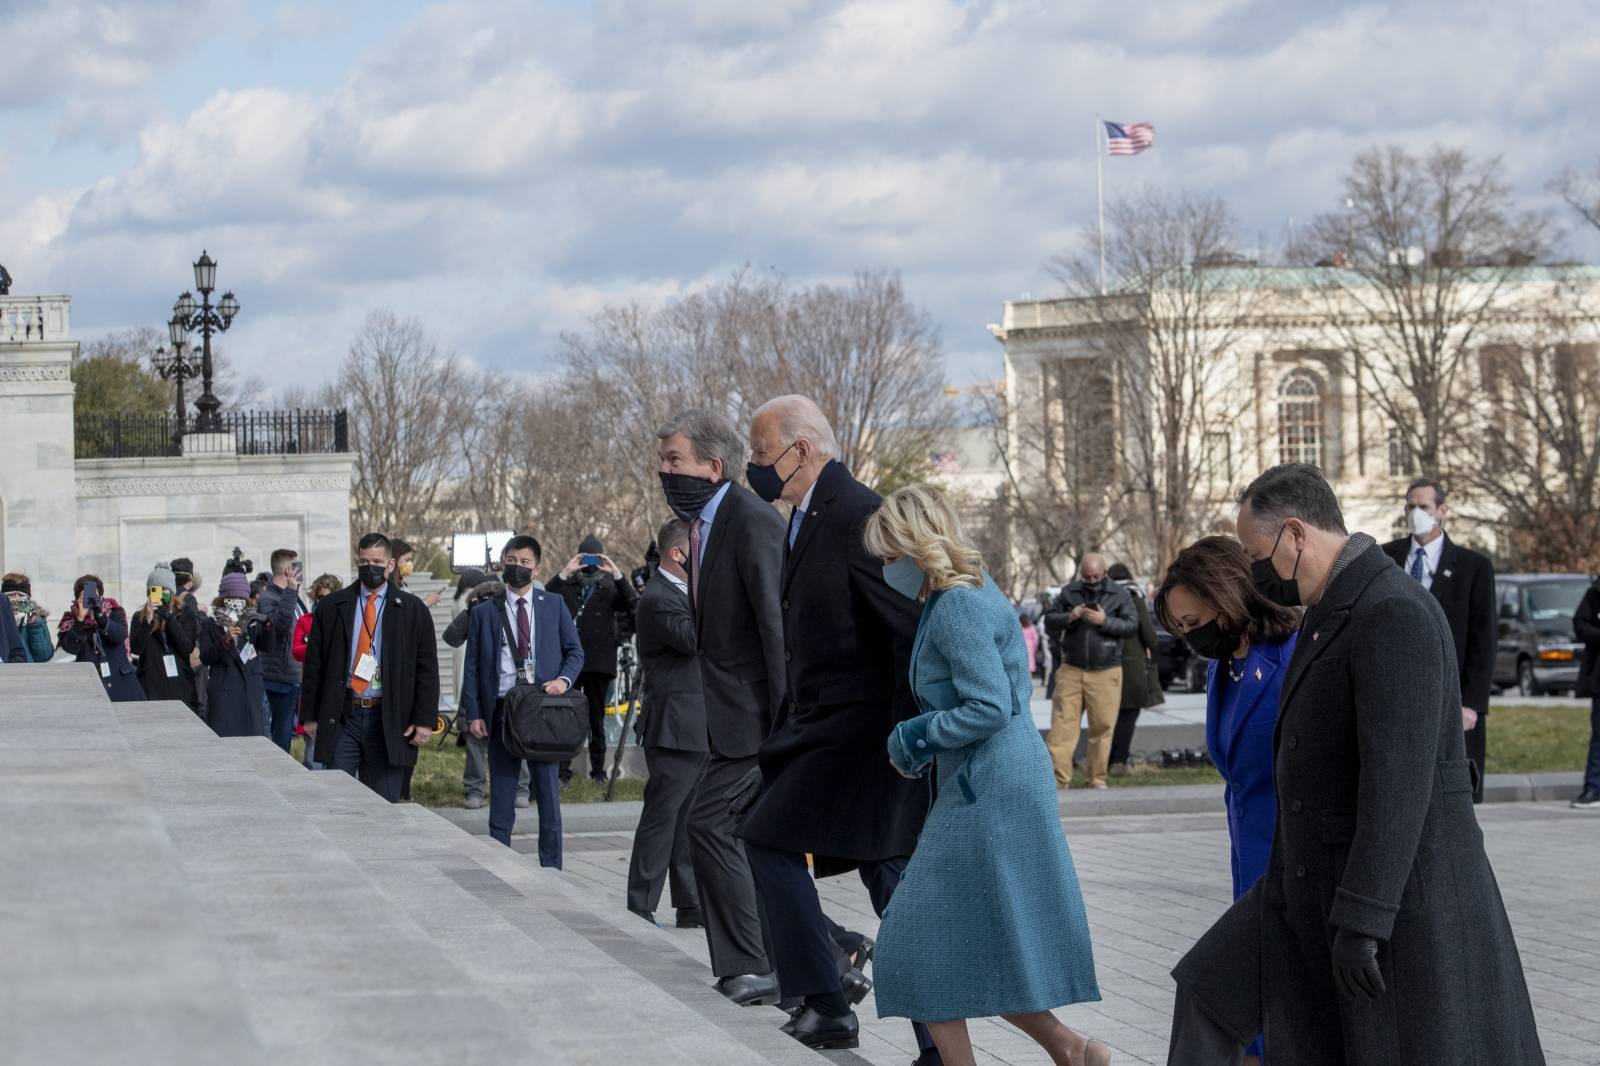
283 706
361 751
1591 772
504 771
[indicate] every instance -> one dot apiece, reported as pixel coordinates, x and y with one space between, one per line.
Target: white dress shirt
1432 552
798 518
677 582
508 663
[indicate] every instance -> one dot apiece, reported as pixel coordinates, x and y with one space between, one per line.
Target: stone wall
133 512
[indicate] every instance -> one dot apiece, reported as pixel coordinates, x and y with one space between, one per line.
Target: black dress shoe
819 1032
750 989
855 985
928 1058
862 953
691 919
646 915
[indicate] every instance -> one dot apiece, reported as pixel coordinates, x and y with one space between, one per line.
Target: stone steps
228 905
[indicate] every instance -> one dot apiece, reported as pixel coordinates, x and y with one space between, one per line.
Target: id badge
366 667
105 669
170 662
525 672
247 653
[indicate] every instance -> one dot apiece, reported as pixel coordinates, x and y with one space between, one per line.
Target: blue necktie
794 525
1416 565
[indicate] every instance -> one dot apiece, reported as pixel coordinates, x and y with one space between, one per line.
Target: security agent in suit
674 740
826 788
368 713
1463 583
542 631
735 565
1377 934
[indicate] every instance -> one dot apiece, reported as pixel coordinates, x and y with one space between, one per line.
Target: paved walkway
1152 884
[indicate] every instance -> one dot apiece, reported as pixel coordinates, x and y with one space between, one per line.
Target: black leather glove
744 793
1355 965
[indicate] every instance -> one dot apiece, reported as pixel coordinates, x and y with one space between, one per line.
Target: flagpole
1100 199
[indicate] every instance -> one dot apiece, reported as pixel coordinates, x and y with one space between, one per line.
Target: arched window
1300 418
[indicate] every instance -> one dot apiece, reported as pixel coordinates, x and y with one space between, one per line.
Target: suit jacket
596 616
1243 755
1375 834
674 696
409 666
738 627
1464 587
829 788
557 651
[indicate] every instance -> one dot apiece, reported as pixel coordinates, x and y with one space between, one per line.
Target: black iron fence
254 433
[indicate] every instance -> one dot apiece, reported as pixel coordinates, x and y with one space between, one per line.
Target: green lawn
1522 740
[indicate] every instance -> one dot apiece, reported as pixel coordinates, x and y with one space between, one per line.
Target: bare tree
405 397
1539 423
1580 190
1163 379
1428 247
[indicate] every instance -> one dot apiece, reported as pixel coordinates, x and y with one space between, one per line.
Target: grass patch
436 782
1532 740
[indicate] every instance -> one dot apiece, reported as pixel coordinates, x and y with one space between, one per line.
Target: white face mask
1422 523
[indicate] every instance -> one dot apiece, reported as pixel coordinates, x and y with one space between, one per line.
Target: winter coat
1082 643
103 641
153 639
1136 652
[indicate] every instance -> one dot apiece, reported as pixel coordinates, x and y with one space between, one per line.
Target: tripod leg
630 698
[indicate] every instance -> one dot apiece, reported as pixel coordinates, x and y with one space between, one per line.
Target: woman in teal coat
987 920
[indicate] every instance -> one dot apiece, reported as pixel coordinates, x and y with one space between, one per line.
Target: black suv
1536 651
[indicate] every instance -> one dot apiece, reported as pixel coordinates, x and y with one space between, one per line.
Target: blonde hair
919 522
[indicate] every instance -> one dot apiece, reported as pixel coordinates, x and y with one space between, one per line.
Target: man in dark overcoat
1462 581
598 596
1377 934
827 789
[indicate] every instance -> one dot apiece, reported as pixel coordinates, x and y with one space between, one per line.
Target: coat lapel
711 550
346 637
391 622
1260 666
916 648
1444 578
827 488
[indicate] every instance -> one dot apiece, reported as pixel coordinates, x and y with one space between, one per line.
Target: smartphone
591 560
298 569
91 592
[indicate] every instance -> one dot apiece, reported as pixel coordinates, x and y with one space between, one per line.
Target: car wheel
1527 685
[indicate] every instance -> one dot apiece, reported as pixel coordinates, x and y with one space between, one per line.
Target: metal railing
254 433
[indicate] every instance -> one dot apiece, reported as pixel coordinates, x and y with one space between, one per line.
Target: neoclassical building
1263 359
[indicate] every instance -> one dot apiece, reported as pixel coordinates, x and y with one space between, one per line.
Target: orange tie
369 626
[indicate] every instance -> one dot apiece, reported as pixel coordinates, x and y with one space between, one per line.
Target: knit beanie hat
234 586
15 586
591 545
161 575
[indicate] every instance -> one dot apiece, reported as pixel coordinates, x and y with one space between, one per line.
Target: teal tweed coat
988 918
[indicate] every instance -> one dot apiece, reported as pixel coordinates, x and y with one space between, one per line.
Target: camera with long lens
238 564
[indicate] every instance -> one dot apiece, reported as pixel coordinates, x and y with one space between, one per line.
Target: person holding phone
233 641
279 600
33 621
597 593
95 630
159 646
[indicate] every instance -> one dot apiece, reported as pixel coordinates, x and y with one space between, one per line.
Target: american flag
1130 139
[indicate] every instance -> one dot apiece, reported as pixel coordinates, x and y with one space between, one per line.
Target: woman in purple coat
1209 599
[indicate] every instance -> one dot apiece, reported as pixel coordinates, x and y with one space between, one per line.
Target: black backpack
537 726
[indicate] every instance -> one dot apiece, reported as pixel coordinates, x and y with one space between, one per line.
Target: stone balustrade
34 318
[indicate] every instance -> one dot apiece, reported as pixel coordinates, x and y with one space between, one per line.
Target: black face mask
372 575
517 576
1211 641
1285 592
764 480
687 494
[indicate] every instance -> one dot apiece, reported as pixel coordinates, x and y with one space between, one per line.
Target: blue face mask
904 576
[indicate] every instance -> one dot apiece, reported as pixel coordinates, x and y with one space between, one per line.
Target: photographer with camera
232 640
95 630
599 596
32 622
158 644
1090 618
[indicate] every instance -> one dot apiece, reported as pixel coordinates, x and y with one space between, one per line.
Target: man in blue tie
522 630
1463 582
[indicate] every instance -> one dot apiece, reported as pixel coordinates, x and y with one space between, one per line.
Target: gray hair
1294 490
711 436
800 418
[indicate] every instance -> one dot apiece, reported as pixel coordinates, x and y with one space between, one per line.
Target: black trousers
803 950
1122 735
1477 739
722 873
594 688
1197 1040
361 751
661 843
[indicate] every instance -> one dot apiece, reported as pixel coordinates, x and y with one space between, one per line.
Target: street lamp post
172 366
207 320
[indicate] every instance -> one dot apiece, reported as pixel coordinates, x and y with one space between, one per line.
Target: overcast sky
501 170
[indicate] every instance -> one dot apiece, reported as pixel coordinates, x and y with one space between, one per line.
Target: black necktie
524 632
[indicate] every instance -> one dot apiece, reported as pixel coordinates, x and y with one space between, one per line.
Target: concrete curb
623 816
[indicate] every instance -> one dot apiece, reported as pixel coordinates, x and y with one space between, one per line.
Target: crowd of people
839 687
